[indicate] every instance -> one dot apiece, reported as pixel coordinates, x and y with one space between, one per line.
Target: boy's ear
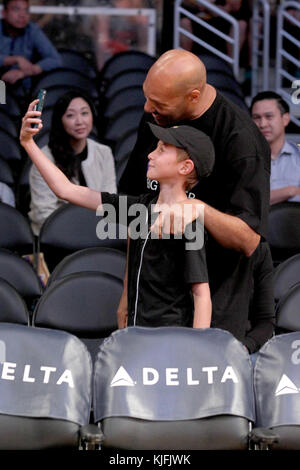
186 167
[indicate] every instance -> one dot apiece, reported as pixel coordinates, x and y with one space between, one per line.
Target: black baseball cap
198 145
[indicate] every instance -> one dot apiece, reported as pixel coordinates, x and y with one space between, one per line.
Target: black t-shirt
239 185
160 271
240 182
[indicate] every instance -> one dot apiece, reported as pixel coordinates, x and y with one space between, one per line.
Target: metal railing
287 65
101 11
260 45
181 12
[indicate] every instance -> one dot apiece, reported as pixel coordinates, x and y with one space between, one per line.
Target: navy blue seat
99 259
276 386
173 388
82 303
45 399
71 228
13 308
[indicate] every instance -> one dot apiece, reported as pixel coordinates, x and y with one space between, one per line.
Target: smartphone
39 106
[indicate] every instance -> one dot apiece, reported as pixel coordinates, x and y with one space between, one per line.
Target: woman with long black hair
83 160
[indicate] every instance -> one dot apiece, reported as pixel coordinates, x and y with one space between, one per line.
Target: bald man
236 194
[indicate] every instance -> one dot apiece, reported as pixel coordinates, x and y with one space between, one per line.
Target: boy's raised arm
54 177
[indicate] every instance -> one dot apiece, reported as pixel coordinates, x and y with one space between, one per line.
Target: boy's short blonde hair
191 178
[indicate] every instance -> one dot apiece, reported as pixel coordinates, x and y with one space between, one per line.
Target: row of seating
20 273
170 388
83 293
71 228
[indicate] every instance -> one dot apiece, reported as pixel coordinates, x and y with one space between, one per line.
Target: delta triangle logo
122 378
286 386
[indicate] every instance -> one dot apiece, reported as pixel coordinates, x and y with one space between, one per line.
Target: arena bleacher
69 379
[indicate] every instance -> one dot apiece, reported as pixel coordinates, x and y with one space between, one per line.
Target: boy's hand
174 218
31 117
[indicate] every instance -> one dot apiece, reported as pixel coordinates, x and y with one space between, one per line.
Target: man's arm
262 315
25 69
56 179
12 76
49 56
283 194
228 230
202 305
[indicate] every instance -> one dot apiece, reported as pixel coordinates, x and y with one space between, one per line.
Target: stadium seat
173 388
20 274
84 304
10 149
9 124
276 387
45 397
13 308
224 82
125 61
77 61
284 230
15 233
286 275
11 106
64 76
214 63
54 92
125 122
237 100
124 79
71 228
288 311
99 259
129 97
6 175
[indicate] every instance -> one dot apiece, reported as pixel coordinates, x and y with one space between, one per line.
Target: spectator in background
25 50
271 114
84 161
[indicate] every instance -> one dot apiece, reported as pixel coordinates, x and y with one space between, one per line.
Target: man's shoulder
32 26
292 147
34 30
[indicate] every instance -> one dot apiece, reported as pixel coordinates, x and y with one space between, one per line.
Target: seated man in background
271 114
25 50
